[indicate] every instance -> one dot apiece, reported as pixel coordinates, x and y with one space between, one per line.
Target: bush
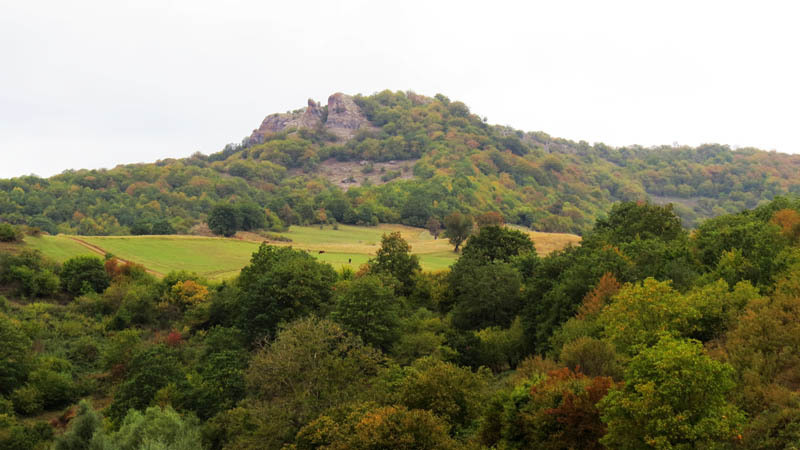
9 233
35 283
83 274
56 388
27 400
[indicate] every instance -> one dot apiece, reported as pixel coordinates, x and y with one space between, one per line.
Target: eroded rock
344 119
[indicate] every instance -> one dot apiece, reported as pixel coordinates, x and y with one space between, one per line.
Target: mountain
399 157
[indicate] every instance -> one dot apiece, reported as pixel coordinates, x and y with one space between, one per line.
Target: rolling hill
398 157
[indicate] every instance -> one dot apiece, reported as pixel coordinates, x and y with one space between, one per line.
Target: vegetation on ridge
458 161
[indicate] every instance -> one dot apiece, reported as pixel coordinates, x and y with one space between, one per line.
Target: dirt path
102 252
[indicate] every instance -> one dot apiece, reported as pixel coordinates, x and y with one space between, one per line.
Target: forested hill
397 157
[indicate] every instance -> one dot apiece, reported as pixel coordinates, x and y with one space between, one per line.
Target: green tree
641 314
757 244
631 220
251 216
312 365
486 295
458 227
83 274
149 371
368 308
454 393
279 285
14 355
156 428
395 258
674 397
162 226
497 243
224 220
9 233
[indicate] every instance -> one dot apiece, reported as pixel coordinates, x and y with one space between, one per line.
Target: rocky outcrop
344 116
344 119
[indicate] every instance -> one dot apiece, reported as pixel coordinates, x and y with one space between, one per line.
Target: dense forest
644 336
447 159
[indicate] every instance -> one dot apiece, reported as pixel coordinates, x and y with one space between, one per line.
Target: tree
312 365
373 427
279 285
491 218
156 428
433 226
251 216
487 295
81 429
458 227
162 226
150 370
764 346
631 220
759 245
641 314
554 409
394 258
224 220
14 355
368 308
674 397
83 274
9 233
449 391
496 243
789 222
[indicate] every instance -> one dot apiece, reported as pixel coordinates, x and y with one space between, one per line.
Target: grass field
59 248
220 258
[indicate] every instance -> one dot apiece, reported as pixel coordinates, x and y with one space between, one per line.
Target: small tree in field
223 220
433 226
458 228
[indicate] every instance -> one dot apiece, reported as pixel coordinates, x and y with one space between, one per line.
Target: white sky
98 83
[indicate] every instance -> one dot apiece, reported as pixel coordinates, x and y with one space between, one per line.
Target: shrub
83 274
9 233
27 400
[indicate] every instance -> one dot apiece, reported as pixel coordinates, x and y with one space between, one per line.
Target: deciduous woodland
646 335
673 324
412 159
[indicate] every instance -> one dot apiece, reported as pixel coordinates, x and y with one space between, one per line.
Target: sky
91 84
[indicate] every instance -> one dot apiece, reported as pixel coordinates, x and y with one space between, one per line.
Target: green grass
211 257
220 258
59 248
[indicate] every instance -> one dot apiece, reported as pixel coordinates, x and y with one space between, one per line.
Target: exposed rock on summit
344 118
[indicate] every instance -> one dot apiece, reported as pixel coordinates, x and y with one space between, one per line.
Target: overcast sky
89 84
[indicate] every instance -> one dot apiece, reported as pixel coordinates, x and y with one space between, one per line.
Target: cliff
343 119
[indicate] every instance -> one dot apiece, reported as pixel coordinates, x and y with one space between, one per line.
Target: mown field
220 258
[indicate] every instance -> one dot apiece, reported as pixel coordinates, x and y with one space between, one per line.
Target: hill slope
396 157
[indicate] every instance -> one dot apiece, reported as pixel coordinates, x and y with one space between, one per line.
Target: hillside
396 157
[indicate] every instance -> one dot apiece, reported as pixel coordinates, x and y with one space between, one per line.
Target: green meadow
221 258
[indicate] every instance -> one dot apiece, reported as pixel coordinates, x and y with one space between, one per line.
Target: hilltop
399 157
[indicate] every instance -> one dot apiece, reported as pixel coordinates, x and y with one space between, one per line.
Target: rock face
344 119
344 116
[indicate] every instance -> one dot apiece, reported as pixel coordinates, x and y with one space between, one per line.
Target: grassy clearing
220 258
59 248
